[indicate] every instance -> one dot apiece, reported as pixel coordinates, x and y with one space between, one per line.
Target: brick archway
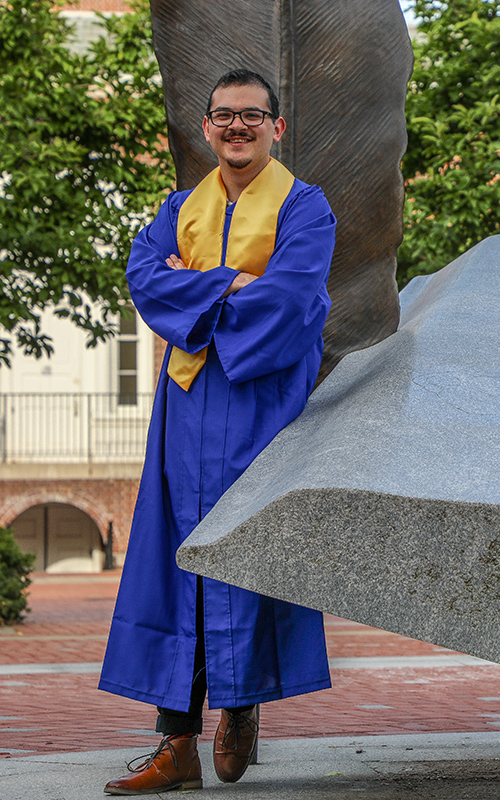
63 537
21 502
103 500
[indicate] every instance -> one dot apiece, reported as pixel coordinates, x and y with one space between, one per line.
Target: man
233 275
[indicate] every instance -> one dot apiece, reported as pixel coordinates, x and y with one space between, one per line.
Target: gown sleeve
274 321
182 306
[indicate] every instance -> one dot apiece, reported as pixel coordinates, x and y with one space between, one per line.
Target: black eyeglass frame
238 114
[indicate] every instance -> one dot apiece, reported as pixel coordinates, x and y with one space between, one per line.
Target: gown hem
218 702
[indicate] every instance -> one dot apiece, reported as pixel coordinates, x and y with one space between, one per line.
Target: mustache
245 135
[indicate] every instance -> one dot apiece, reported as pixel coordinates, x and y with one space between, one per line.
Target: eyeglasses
223 117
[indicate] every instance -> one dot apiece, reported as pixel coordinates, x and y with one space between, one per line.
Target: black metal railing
73 427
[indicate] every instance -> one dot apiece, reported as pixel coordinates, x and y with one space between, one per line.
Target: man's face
240 146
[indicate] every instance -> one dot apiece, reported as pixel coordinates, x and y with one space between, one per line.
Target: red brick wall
98 5
103 500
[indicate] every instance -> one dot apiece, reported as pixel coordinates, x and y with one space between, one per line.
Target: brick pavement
60 712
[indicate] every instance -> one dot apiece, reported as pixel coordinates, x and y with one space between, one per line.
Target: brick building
72 437
73 427
84 18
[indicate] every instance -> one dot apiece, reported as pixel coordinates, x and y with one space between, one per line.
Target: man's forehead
245 96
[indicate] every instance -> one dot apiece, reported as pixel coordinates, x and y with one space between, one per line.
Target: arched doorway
64 538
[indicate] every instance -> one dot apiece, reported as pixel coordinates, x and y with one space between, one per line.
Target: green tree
452 165
15 567
84 161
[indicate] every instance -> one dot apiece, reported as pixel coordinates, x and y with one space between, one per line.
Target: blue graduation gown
264 351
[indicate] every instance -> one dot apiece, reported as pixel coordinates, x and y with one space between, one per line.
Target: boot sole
197 784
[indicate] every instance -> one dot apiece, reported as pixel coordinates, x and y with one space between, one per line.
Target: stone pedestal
380 503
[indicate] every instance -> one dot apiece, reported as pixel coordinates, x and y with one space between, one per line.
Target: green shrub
15 567
452 165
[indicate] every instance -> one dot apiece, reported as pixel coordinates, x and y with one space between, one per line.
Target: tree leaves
84 164
452 165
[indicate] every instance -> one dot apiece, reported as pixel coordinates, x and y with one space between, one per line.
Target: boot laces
165 744
236 723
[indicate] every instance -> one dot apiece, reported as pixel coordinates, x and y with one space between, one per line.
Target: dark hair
244 77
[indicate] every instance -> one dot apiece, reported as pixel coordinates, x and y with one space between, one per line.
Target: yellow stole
250 243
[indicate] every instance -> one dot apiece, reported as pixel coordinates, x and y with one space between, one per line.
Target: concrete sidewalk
403 718
418 767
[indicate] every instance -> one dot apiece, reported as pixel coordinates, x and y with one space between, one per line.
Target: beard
238 164
241 162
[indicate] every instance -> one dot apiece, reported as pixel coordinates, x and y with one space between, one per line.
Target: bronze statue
341 71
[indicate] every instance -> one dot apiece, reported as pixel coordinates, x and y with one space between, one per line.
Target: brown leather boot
175 764
234 743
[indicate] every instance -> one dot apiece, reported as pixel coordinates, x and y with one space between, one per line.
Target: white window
127 359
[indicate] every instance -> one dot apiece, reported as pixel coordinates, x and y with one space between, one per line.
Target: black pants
171 722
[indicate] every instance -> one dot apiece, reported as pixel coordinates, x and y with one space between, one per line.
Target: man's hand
242 279
175 262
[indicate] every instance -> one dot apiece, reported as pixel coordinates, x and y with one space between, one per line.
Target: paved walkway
383 683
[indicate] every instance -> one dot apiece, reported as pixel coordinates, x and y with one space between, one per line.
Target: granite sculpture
341 71
381 502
